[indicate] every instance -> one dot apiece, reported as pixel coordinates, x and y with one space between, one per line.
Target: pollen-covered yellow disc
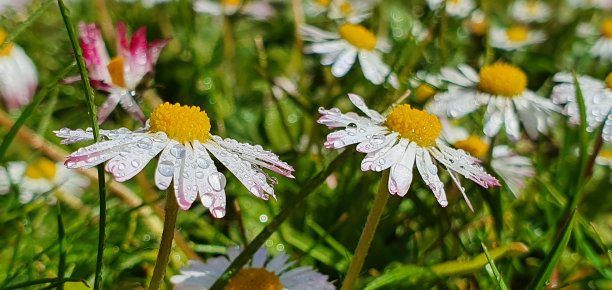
181 123
502 79
254 279
41 168
415 125
358 36
473 145
7 49
606 28
517 33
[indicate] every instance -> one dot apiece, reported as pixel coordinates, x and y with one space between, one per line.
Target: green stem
306 190
89 97
165 247
61 233
363 246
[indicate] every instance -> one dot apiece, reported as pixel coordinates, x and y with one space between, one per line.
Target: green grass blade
89 97
498 278
542 278
41 95
61 269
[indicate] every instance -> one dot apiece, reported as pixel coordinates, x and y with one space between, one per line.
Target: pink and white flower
121 75
258 10
399 141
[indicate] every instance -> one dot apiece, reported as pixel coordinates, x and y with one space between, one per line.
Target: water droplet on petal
199 175
377 139
257 191
178 151
202 163
160 137
217 181
166 168
145 143
121 166
135 163
338 144
432 169
260 178
218 212
207 199
92 159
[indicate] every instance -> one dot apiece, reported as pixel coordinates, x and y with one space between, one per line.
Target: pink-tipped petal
94 51
108 106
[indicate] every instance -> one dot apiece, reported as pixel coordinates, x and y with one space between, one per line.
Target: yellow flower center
346 8
231 3
181 123
502 79
254 279
7 49
323 3
473 145
424 91
606 28
415 125
607 154
41 168
609 81
454 1
115 68
358 36
517 33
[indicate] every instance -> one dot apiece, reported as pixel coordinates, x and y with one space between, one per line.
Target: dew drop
260 178
381 161
145 143
207 199
257 191
338 144
202 163
263 218
432 169
218 212
121 166
166 168
178 151
135 163
160 137
92 159
217 181
199 175
377 139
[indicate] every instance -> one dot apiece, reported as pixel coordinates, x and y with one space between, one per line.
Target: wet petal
429 173
135 157
211 183
385 157
400 176
344 62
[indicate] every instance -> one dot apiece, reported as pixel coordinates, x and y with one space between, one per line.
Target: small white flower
259 274
530 11
604 158
603 46
354 11
182 135
352 42
40 177
511 167
18 77
404 138
477 23
455 8
502 88
515 37
258 10
597 100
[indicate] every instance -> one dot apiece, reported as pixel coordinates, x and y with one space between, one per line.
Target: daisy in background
259 274
404 138
530 11
40 177
182 135
147 3
18 76
259 10
13 5
352 41
477 23
515 37
354 11
603 46
455 8
121 75
425 85
597 96
512 168
502 88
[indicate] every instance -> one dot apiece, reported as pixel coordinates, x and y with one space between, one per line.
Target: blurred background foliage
418 244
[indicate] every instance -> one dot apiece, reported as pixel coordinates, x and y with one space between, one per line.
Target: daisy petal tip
356 99
217 212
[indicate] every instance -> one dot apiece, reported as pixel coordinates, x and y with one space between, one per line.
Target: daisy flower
597 100
603 46
182 135
477 23
18 77
405 137
515 37
604 158
352 41
350 11
455 8
40 177
502 88
259 10
511 167
530 11
259 274
147 3
121 75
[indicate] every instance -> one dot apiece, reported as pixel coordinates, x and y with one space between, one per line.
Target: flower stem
165 247
382 196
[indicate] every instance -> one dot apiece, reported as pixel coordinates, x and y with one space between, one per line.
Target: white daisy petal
327 47
400 176
361 105
344 62
259 258
511 123
429 173
206 171
165 166
376 142
385 157
493 119
457 182
185 186
372 66
134 157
